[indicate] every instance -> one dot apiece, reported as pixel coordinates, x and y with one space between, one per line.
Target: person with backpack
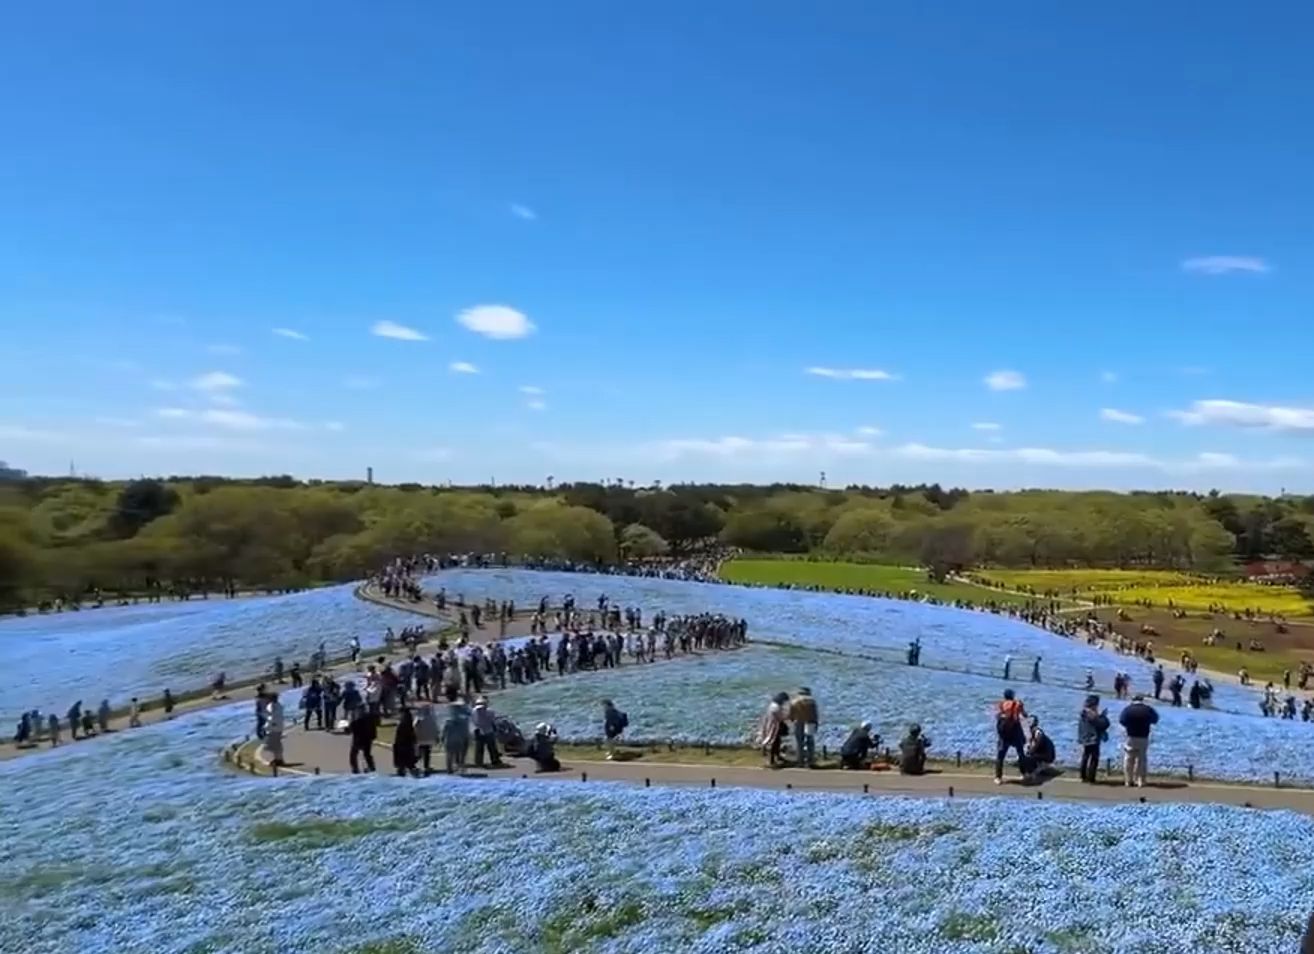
1092 729
912 751
614 722
1137 720
1009 733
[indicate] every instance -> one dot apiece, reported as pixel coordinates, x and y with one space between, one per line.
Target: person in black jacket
364 730
1092 729
1137 720
856 752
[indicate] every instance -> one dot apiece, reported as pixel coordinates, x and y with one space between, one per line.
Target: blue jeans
807 745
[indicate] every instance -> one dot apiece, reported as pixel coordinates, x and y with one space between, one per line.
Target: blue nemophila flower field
141 843
118 652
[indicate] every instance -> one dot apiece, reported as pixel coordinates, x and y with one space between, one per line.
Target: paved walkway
243 690
323 753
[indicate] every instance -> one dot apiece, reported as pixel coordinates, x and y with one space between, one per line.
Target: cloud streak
499 322
523 212
1225 265
1240 414
851 374
390 329
462 367
291 334
1005 381
1115 416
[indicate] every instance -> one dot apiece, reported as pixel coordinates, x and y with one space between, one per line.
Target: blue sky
740 241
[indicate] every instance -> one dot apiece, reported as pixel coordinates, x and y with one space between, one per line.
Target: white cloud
462 367
1109 377
291 334
360 382
523 212
1270 417
499 322
531 389
852 374
1005 381
1048 457
536 404
776 446
1225 265
230 420
216 381
869 431
1113 415
17 432
390 329
226 350
986 426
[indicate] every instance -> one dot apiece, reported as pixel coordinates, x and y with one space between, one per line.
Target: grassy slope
848 576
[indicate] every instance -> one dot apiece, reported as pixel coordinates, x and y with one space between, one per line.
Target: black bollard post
1190 772
958 758
713 783
865 788
274 768
1247 805
647 783
1040 796
707 748
583 776
316 769
1142 799
789 787
1277 780
523 775
1108 765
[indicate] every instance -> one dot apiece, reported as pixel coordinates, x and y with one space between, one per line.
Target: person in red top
1009 719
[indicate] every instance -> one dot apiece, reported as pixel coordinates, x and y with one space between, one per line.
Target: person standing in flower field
803 710
1009 732
1035 670
614 723
1092 730
771 732
1008 667
1137 720
274 729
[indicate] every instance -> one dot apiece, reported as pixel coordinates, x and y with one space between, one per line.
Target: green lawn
852 576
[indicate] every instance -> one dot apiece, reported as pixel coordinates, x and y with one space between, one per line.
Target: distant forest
64 536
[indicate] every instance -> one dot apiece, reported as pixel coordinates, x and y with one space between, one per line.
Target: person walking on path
1158 681
403 743
53 726
803 710
355 650
168 704
134 714
1092 730
1009 732
456 732
614 723
103 716
364 730
1137 720
485 734
426 737
1035 670
771 732
312 701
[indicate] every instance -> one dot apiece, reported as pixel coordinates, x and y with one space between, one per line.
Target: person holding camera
1092 730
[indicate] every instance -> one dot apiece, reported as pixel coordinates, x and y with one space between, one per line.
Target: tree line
69 536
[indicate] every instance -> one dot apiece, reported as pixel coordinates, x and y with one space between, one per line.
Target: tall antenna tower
823 480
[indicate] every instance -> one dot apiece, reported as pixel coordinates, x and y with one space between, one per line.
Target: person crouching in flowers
1040 749
912 751
542 748
771 732
857 748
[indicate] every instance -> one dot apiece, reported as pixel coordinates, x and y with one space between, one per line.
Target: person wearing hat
912 751
803 710
485 734
857 748
1092 729
542 748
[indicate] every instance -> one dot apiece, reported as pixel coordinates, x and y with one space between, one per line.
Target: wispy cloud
1269 417
499 322
230 419
390 329
779 445
225 350
360 382
291 334
531 389
523 212
215 381
1005 381
462 367
869 431
1109 377
851 374
986 426
536 404
1049 457
18 432
1225 265
1114 416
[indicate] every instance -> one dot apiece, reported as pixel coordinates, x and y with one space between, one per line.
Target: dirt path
321 753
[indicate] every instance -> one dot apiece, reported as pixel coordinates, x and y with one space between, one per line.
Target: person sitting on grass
912 751
857 748
543 748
